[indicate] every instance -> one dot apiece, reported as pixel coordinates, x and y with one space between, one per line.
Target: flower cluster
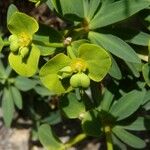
75 72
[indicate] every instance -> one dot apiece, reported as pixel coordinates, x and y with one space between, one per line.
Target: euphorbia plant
88 67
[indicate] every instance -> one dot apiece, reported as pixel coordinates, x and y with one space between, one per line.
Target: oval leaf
140 124
42 91
72 9
128 138
115 71
2 70
127 104
147 97
140 38
146 73
24 84
7 107
48 139
115 45
135 68
1 44
90 7
106 100
117 11
16 95
118 145
71 106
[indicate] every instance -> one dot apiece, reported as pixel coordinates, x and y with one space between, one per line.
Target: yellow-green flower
62 73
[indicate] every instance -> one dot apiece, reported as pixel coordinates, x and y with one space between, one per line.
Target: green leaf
72 9
24 84
128 138
117 11
118 145
115 45
90 7
22 23
49 4
49 74
146 73
115 71
130 35
2 70
106 100
140 39
11 10
71 106
42 91
106 2
91 124
54 118
1 44
147 21
16 96
86 6
146 97
8 71
29 66
7 107
99 64
146 106
140 124
48 139
55 4
135 68
127 104
45 50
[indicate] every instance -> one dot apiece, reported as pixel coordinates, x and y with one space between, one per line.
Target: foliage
98 68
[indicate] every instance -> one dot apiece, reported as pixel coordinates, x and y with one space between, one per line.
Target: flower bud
13 38
14 46
24 52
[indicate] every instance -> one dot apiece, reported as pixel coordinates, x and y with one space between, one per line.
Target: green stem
107 130
56 45
75 140
70 52
79 29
